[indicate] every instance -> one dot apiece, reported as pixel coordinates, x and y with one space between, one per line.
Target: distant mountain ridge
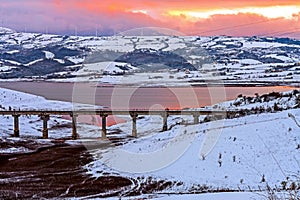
29 55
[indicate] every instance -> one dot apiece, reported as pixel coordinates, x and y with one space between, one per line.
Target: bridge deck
114 112
45 116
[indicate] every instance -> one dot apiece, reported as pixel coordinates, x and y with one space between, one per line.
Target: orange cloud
243 25
159 7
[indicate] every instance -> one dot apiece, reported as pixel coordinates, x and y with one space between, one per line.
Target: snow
33 62
205 196
49 55
6 68
243 151
283 58
29 46
246 69
14 150
60 61
250 62
233 68
217 196
104 67
76 60
12 62
13 51
247 150
219 46
6 30
254 153
32 125
254 44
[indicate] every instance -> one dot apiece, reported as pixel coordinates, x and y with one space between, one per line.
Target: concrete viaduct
45 116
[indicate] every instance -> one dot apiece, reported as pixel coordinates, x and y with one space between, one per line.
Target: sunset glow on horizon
287 12
216 17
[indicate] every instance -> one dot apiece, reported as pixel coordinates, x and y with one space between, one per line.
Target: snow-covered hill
168 58
252 152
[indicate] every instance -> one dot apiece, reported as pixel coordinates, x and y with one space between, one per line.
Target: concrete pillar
104 131
16 126
45 119
74 128
196 118
134 116
165 121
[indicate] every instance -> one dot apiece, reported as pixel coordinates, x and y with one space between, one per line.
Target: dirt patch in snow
55 172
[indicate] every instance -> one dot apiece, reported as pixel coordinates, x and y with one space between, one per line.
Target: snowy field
213 196
250 152
240 154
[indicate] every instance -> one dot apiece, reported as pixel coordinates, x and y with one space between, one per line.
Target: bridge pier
74 128
45 119
165 121
45 116
134 117
104 130
196 118
16 125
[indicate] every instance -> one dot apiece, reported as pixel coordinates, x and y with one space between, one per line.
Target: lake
137 97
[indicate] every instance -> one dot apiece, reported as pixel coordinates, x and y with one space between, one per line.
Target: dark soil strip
54 173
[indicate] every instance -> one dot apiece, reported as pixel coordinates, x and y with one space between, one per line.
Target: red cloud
63 16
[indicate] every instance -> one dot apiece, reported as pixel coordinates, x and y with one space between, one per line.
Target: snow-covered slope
205 196
231 59
251 153
31 126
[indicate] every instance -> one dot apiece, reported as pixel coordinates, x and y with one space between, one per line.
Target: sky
278 18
